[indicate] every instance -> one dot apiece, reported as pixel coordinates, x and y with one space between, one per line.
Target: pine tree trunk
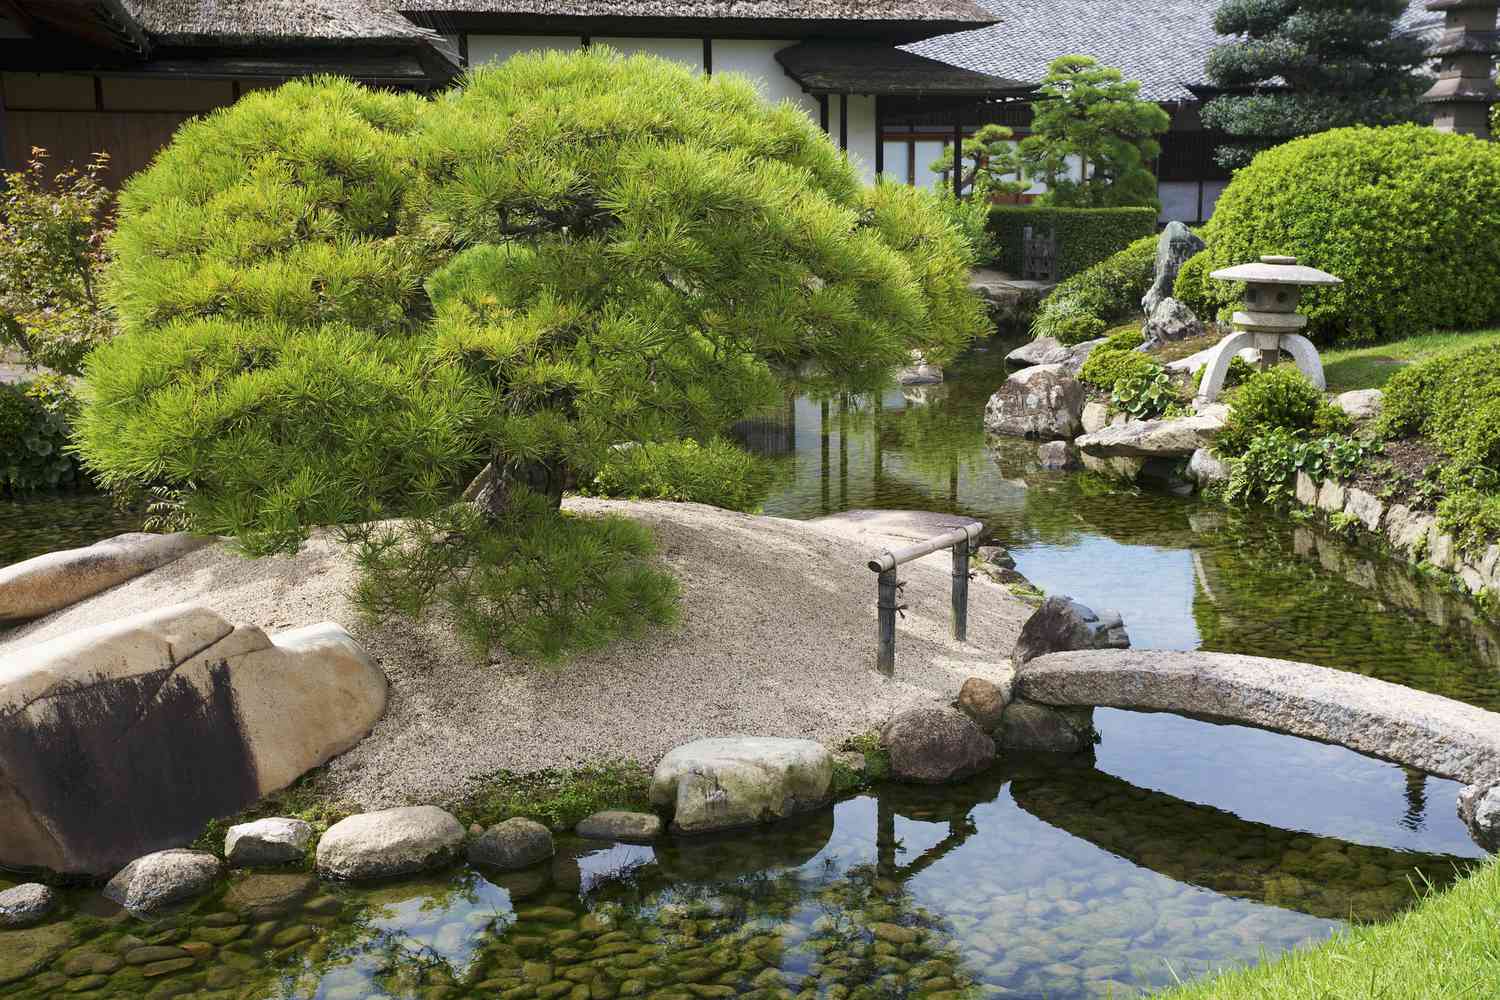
491 491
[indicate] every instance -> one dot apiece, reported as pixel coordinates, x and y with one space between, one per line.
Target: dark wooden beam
844 122
958 155
879 141
823 112
708 55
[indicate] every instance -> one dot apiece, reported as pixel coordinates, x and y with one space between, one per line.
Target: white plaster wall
861 134
756 59
688 51
498 48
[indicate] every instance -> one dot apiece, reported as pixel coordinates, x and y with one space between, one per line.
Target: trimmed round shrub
1453 400
1278 398
1085 305
1404 215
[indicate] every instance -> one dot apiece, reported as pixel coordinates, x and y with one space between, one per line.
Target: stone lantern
1269 321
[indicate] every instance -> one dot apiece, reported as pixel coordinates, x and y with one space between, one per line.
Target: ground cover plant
1404 215
340 306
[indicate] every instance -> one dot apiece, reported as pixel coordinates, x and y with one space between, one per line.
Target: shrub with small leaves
1280 397
1268 467
1107 366
1084 306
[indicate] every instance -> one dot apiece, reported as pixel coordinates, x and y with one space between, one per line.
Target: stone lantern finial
1465 90
1269 321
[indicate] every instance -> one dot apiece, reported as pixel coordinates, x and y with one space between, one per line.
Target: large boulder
512 845
26 904
389 842
1479 808
1029 726
1174 247
1170 321
266 842
1179 437
1041 351
151 884
39 586
1062 624
126 738
1360 404
1044 401
734 781
934 745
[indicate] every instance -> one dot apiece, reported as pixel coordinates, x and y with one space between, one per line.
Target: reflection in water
1184 574
1044 877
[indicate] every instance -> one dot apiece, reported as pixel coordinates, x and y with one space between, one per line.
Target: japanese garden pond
1177 848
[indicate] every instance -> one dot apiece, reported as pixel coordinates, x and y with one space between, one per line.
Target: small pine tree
341 305
990 157
1090 120
1301 66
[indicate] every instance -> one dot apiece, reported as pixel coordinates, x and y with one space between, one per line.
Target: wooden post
824 435
958 154
844 122
885 658
879 141
961 590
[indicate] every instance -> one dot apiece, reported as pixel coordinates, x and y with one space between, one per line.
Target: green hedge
1085 236
1405 215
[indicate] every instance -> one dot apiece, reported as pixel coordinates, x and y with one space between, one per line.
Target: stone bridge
1413 728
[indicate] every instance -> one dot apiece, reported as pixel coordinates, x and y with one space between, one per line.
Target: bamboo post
961 590
889 587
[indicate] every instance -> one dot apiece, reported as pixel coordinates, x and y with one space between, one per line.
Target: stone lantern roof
1276 270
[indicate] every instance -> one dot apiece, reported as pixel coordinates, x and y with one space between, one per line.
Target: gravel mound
778 639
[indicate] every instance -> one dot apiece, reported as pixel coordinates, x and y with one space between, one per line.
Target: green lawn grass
1371 367
1448 948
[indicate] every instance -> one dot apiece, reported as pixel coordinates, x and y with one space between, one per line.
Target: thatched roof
274 22
863 68
1162 43
770 10
107 25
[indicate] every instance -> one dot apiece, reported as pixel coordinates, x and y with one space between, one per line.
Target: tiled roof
1162 43
814 10
274 22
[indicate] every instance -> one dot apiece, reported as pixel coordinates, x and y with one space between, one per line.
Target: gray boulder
1174 247
1062 624
1171 321
1205 468
934 745
1029 726
1044 401
514 844
1041 351
983 701
1479 808
735 781
267 842
622 826
27 904
1178 438
1361 404
41 585
265 896
157 881
389 842
150 726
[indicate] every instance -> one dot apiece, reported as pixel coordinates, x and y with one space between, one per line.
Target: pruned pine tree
340 306
1295 67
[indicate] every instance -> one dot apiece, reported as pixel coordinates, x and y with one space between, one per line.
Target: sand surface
777 639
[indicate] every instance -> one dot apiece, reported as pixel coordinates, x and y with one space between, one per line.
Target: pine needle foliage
338 305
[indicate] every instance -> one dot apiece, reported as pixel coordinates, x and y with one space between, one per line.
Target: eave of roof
823 67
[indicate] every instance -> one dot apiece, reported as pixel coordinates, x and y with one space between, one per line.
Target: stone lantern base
1299 347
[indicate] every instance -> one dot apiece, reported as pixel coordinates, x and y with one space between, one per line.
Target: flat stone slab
734 781
39 586
1152 438
1425 731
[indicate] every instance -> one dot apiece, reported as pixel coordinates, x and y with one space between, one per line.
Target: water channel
1179 847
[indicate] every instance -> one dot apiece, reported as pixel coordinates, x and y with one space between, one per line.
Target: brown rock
934 745
983 701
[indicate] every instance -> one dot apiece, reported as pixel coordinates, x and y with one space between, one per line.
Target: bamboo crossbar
960 540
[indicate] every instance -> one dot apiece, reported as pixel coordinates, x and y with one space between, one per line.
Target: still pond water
1180 847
